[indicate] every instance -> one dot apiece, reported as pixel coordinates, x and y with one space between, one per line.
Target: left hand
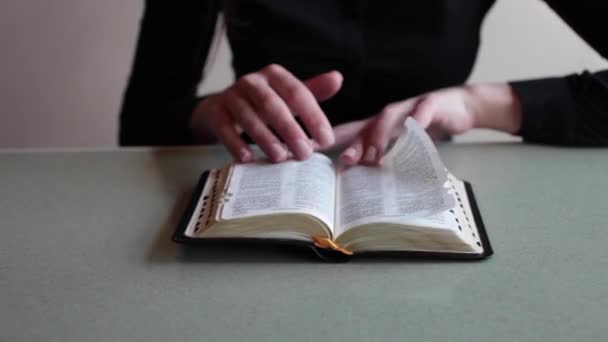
442 113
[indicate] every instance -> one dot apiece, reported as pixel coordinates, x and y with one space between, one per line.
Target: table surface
85 255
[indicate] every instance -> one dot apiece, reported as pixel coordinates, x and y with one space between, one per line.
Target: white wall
63 66
64 63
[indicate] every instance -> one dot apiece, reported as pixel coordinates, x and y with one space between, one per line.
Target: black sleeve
173 44
571 110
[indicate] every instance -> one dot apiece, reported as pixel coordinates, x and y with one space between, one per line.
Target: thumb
326 85
424 112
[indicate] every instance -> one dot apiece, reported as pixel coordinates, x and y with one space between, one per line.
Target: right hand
266 99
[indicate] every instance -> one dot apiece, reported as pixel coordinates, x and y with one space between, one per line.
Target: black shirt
386 50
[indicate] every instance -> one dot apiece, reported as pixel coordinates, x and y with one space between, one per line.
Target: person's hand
442 113
263 105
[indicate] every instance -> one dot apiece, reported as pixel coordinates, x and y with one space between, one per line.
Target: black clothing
387 51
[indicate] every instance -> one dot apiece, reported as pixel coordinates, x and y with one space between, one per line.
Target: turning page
290 187
410 184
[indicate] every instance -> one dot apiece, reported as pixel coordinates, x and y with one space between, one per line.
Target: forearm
495 106
201 132
570 110
172 46
145 122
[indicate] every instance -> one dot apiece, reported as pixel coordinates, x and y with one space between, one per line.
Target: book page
410 184
263 188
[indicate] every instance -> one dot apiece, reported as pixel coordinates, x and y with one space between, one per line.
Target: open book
409 205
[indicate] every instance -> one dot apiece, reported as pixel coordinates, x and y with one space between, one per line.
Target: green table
85 255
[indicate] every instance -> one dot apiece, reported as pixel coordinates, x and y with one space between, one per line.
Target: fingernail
245 155
326 137
349 154
278 152
370 155
302 148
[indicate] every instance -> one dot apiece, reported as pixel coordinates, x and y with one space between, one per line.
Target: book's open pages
410 202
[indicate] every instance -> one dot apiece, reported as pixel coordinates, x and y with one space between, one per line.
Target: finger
301 101
388 122
273 110
346 133
352 155
228 135
325 85
247 119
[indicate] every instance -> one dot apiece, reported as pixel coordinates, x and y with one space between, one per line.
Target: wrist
495 106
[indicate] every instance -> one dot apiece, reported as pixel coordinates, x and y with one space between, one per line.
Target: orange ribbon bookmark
323 242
